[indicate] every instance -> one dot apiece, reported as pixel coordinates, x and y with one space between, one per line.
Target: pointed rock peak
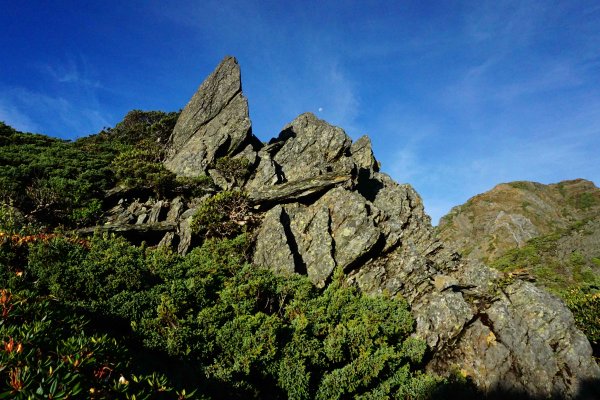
362 152
214 123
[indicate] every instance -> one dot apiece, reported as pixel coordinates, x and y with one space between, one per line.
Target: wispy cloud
30 111
64 102
72 72
17 119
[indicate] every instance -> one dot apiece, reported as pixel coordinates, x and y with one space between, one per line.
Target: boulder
335 230
215 123
306 148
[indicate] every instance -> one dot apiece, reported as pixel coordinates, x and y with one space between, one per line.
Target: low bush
225 214
209 321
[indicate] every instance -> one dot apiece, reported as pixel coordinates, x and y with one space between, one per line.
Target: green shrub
225 214
139 168
585 306
47 353
251 332
233 169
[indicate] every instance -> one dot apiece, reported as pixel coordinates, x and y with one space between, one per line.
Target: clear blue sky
456 96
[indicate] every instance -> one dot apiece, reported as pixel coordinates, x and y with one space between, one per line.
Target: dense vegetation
105 318
56 182
101 318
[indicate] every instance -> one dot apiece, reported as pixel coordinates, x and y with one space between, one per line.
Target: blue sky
456 96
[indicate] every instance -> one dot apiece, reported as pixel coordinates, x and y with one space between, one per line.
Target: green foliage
523 185
540 259
139 168
47 353
62 183
585 305
49 178
225 214
233 169
210 314
11 220
584 201
149 126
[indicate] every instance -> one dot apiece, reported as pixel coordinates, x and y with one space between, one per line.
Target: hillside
510 214
182 252
548 234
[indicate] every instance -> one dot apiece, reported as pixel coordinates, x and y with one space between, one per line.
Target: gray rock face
293 191
306 148
335 230
213 124
525 340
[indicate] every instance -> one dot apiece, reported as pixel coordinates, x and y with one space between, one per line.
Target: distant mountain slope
510 214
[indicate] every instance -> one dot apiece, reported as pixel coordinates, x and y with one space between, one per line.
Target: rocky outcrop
156 222
306 148
325 205
215 123
473 318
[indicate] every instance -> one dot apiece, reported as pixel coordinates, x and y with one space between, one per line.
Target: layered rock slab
335 230
215 123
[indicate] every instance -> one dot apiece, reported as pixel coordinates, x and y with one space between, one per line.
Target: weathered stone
352 226
362 154
213 124
156 212
220 180
273 243
524 340
443 282
310 227
175 209
117 227
293 191
141 219
441 317
167 240
336 230
184 230
306 148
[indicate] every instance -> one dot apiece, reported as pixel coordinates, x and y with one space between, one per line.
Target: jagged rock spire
213 124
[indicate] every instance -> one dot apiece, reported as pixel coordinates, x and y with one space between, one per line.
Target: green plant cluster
233 169
139 168
226 214
207 321
57 182
540 259
585 305
46 352
52 180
